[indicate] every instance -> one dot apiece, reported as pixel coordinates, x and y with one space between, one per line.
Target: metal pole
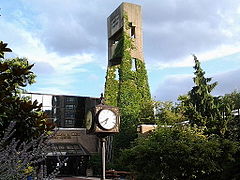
103 140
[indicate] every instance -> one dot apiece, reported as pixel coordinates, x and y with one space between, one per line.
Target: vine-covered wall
131 91
127 88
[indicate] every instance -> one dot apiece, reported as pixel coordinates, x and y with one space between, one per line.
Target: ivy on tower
126 83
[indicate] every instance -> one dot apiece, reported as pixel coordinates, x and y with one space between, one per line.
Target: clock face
88 120
107 119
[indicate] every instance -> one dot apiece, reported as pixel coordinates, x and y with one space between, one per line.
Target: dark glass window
69 121
70 99
69 114
70 106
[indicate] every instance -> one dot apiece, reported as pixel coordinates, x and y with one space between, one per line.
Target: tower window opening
134 66
132 30
115 42
116 75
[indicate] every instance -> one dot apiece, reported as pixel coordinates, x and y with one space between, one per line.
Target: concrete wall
115 29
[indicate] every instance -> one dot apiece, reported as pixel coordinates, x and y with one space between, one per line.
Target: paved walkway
77 178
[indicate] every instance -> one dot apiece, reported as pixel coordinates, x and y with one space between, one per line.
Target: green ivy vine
131 90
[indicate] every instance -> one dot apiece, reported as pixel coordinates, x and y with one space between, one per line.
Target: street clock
89 120
102 119
107 119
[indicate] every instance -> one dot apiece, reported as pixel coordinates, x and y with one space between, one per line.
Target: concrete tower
126 80
131 14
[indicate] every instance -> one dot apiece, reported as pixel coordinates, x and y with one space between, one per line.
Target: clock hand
105 121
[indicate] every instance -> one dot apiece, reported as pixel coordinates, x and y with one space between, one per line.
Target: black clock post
103 152
103 121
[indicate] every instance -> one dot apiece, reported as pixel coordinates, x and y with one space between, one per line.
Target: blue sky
67 41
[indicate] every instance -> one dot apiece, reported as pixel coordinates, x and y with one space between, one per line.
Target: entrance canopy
67 149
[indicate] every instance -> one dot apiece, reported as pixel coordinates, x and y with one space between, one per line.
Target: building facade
63 110
70 140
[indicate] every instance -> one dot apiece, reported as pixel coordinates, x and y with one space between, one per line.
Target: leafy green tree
96 164
235 98
233 131
15 74
201 151
201 108
168 113
3 49
200 96
179 153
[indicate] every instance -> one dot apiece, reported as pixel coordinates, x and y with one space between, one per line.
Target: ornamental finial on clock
102 99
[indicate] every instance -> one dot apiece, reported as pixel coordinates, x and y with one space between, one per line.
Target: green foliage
119 50
3 49
178 153
95 163
15 74
207 149
146 115
30 120
233 126
201 108
200 96
131 90
111 86
130 93
234 99
168 113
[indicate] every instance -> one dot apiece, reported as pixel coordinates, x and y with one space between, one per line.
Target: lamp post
103 121
103 142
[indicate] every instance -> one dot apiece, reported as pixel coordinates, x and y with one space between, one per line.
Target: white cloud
173 30
173 86
62 36
227 82
57 73
26 44
219 52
